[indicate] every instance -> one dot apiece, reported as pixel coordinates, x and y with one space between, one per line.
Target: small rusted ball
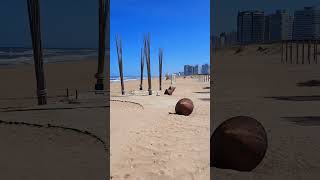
184 107
239 143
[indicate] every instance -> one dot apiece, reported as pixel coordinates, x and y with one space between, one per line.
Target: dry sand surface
65 139
149 143
256 84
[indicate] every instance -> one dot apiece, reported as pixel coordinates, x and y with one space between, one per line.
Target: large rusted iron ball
240 143
184 107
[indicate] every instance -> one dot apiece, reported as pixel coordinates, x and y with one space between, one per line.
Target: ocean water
125 78
15 56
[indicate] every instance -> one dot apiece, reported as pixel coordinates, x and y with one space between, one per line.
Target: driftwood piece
170 90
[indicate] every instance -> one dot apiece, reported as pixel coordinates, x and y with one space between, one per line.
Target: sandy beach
148 142
255 83
65 139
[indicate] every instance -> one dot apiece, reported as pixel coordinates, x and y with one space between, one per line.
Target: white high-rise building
205 69
188 70
307 23
278 26
251 27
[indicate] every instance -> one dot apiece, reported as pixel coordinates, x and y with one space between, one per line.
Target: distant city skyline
229 9
257 26
196 69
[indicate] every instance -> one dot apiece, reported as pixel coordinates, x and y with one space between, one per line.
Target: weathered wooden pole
147 56
119 52
297 51
35 30
141 69
291 44
160 68
309 48
104 7
303 52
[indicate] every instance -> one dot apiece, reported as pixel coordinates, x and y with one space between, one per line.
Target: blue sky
225 11
180 27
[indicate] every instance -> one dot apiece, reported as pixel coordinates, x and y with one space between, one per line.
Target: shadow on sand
311 83
295 98
304 120
205 99
202 92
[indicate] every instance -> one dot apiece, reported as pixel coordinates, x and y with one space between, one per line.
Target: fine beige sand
148 142
65 139
255 83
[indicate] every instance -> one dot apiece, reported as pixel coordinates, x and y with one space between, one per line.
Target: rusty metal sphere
184 107
239 143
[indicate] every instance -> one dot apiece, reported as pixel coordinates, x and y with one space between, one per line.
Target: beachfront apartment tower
279 26
251 27
222 40
195 69
267 28
306 23
205 69
188 70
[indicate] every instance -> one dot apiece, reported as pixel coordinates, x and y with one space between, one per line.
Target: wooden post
103 17
297 51
147 56
160 68
35 29
303 51
119 52
141 68
67 92
309 48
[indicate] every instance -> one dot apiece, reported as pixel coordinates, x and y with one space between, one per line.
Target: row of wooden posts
301 55
35 30
68 94
145 55
205 78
